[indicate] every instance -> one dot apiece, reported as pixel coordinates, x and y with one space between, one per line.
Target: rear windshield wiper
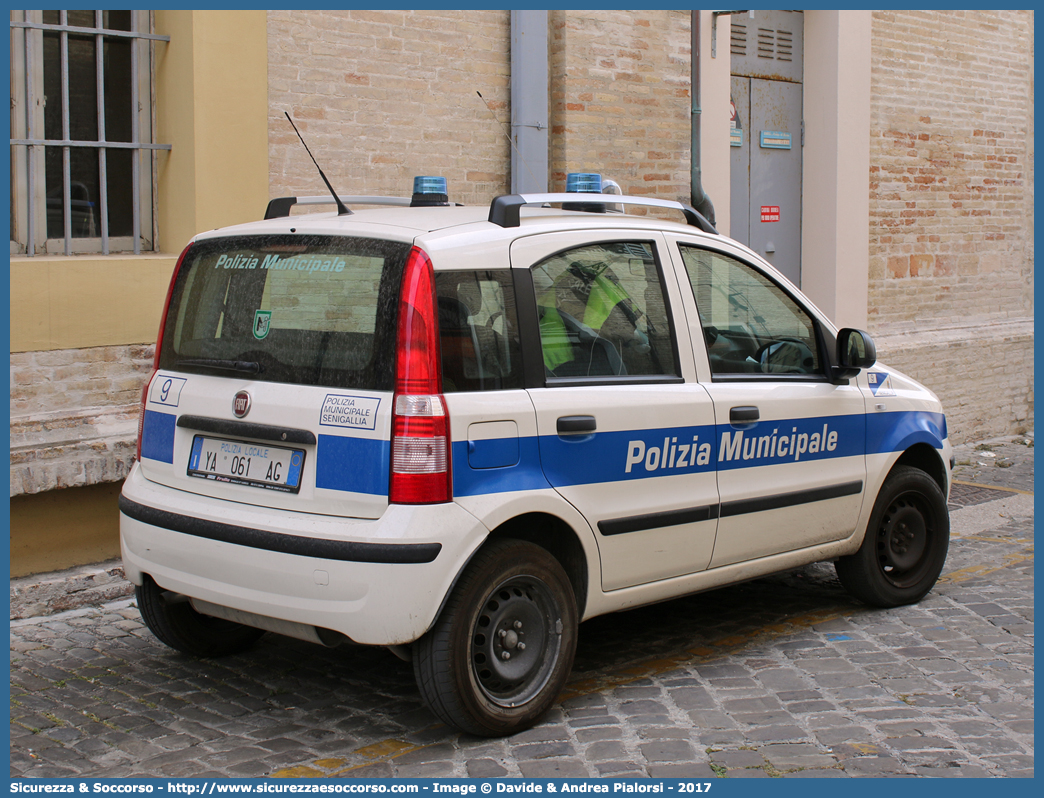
245 366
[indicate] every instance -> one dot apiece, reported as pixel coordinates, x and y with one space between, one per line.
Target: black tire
905 545
513 599
184 629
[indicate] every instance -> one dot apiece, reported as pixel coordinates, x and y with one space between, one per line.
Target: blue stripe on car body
361 465
525 474
157 436
358 465
896 432
493 453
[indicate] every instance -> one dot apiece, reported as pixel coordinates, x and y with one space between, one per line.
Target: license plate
241 463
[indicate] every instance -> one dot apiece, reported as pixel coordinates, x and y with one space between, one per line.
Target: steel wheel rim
904 540
515 641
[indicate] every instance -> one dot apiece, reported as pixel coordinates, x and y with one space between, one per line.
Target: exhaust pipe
312 634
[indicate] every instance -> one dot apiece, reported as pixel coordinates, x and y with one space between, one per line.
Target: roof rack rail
504 210
280 206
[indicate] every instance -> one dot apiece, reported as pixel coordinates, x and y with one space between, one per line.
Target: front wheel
905 545
502 649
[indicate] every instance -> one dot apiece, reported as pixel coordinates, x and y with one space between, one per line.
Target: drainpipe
698 197
529 101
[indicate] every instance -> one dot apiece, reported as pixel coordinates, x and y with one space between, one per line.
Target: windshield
309 310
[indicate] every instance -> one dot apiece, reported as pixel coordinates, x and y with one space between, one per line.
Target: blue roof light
429 185
584 183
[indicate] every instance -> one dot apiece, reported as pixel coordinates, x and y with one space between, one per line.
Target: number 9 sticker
166 390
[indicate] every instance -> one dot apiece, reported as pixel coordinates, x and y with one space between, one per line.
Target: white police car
458 432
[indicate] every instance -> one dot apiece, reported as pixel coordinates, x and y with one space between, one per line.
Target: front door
790 444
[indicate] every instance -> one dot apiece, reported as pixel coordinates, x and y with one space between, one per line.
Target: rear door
275 374
625 432
789 444
492 420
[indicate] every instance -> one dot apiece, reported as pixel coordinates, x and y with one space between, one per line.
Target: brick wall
74 415
951 209
951 168
620 99
985 382
399 87
382 96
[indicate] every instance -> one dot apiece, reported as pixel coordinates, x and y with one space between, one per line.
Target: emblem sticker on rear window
354 412
262 323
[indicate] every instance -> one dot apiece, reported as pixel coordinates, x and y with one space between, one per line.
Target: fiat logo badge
241 404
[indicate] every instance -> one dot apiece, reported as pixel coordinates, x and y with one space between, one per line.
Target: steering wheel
785 355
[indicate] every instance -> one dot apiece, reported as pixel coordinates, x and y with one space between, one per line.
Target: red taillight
141 412
159 346
420 451
166 307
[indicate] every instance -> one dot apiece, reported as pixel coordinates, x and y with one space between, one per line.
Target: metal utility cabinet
767 54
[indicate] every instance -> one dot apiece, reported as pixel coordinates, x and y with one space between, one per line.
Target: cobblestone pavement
784 676
1003 462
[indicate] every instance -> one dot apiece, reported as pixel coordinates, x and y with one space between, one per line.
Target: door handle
744 415
574 425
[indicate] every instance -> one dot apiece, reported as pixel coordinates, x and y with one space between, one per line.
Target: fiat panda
457 432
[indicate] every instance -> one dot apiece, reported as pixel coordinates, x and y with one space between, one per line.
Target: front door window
751 325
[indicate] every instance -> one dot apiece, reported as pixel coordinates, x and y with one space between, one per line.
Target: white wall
714 126
836 164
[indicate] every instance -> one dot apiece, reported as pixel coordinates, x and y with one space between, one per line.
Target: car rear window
308 310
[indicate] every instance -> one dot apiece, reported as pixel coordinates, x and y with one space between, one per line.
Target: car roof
466 233
407 223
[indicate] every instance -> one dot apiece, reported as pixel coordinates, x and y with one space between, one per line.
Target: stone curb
1001 441
58 591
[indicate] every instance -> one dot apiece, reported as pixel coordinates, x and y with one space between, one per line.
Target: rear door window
308 310
603 312
478 331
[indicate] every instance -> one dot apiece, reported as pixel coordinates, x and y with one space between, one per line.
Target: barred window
83 159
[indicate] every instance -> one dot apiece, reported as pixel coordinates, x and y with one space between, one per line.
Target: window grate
766 43
78 118
739 39
775 44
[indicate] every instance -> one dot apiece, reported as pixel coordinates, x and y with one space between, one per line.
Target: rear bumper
379 582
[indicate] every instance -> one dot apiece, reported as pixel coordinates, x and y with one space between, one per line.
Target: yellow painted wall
79 302
212 85
212 107
62 528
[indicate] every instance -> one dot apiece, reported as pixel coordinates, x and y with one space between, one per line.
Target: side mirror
855 351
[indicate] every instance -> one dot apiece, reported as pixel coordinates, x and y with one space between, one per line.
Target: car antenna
507 135
342 210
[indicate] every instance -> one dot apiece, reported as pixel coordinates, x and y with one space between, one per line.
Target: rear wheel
905 544
182 628
502 649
